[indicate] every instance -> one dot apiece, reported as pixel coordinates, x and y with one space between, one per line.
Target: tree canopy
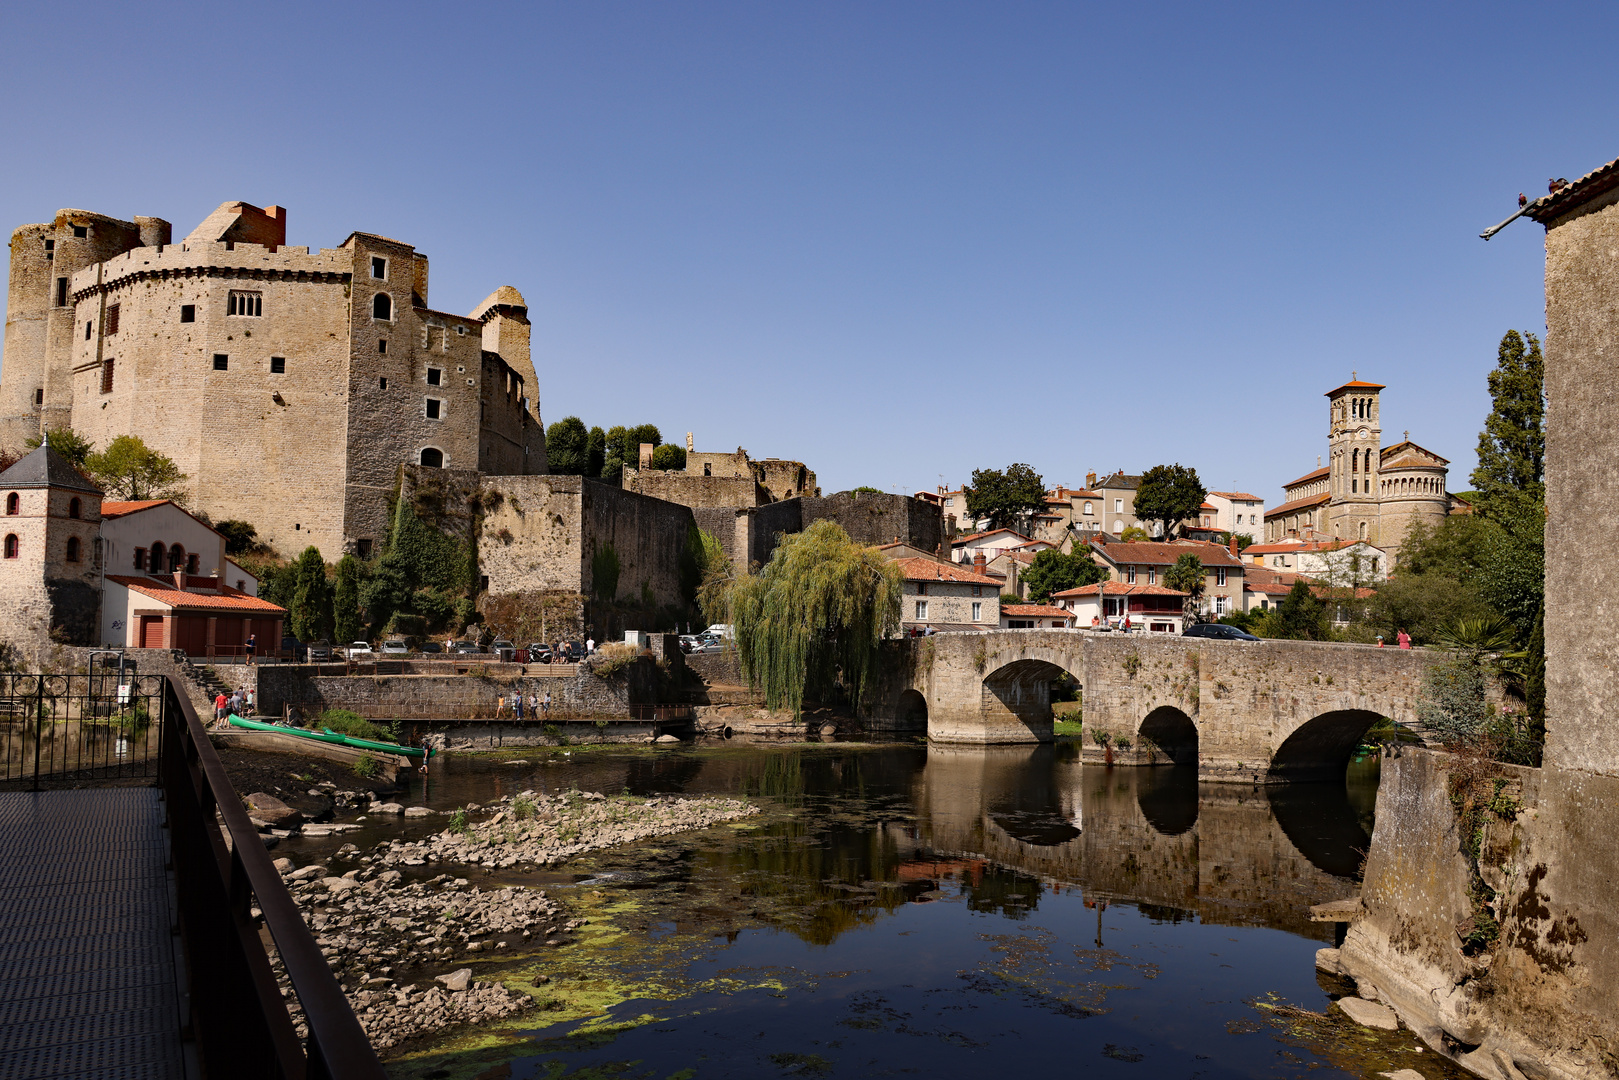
346 600
1007 498
311 609
240 536
1511 473
1300 614
565 446
814 616
129 469
1188 577
1052 572
66 442
1169 494
669 456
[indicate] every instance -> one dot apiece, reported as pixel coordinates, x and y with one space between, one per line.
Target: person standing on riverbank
1404 640
250 648
219 707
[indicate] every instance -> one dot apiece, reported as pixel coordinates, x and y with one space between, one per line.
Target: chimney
978 562
1090 481
1235 554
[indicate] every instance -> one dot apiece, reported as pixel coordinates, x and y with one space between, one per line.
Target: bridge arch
912 708
1017 695
1320 748
1171 735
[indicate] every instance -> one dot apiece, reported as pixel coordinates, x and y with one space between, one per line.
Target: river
902 909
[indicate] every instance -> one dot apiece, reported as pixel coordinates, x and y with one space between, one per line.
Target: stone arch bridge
1240 711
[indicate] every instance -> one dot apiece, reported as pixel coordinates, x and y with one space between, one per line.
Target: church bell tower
1355 437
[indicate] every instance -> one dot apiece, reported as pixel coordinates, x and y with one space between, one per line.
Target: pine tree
346 600
1510 478
312 599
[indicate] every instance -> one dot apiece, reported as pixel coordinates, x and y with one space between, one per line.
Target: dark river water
910 910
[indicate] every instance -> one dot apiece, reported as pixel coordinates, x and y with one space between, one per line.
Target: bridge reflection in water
1230 855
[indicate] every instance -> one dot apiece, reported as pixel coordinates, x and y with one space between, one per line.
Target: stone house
1144 563
947 596
1238 512
1330 561
288 384
989 544
1153 609
50 571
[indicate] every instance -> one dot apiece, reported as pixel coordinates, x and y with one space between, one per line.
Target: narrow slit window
88 326
73 549
112 320
383 382
39 396
249 304
382 345
61 292
106 375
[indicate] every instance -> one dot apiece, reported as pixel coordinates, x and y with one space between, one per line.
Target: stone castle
288 384
1366 491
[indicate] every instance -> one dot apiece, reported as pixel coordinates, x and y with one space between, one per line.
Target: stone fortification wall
760 529
694 489
873 518
648 537
452 697
36 385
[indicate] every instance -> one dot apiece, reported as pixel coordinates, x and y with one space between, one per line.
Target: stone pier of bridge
1254 712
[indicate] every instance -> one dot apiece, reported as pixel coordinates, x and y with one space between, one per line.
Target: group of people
536 705
1402 639
241 703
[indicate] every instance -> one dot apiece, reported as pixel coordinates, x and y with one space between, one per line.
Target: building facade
1366 491
288 384
945 596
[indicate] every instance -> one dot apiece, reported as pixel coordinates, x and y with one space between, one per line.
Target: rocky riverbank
537 830
379 930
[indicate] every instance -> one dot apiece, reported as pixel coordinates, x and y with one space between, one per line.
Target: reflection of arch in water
1171 735
912 710
1321 822
1320 748
1168 799
1022 689
1031 808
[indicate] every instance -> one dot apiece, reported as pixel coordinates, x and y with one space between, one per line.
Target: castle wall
871 518
694 489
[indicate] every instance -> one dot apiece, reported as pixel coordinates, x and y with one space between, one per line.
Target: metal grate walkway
87 977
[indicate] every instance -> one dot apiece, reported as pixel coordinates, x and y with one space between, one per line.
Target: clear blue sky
891 240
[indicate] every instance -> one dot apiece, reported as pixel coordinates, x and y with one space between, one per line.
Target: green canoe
327 735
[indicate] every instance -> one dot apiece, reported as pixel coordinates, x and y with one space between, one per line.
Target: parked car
465 648
395 648
539 652
1218 631
689 642
503 649
291 646
359 650
724 631
429 648
318 650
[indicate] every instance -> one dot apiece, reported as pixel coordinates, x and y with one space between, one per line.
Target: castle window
250 304
73 508
434 376
81 232
39 396
106 376
382 345
383 382
112 319
379 268
382 307
188 312
11 545
88 325
73 549
278 365
362 548
708 469
13 505
433 458
61 292
434 405
221 361
50 250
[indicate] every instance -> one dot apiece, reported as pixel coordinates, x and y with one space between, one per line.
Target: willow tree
814 616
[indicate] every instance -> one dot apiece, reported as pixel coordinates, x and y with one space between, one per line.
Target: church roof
1306 478
1298 504
1355 384
46 468
1392 457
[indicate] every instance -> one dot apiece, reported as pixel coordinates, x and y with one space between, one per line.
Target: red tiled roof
1036 611
1318 474
1015 555
1062 494
1308 545
933 570
1548 208
1210 507
118 509
1298 504
1270 588
1118 588
1237 495
1355 384
1148 553
230 599
1388 452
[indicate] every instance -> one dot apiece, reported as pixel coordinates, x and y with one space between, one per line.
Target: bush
458 821
613 658
522 808
345 722
366 766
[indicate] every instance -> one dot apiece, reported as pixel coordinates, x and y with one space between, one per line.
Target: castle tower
1355 438
50 577
36 372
